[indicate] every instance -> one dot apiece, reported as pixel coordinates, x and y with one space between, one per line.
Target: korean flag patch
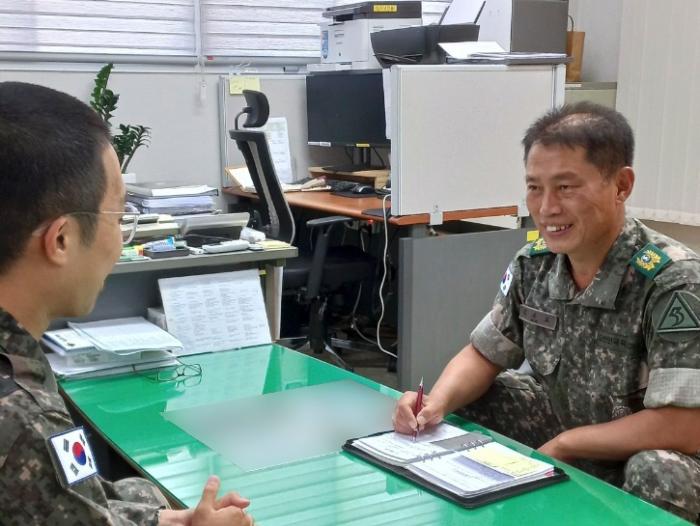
506 280
73 455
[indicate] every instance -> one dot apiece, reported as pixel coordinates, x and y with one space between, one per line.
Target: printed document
216 312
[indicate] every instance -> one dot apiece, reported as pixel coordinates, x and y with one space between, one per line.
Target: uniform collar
602 292
30 367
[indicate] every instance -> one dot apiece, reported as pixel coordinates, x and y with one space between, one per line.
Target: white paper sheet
215 312
278 141
126 335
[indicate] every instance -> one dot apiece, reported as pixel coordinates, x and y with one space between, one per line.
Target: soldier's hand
207 513
232 499
405 422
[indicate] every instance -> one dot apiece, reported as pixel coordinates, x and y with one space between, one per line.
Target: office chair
311 277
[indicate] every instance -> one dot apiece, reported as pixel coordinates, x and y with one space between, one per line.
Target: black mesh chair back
277 219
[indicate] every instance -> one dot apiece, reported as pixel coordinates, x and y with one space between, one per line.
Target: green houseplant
104 101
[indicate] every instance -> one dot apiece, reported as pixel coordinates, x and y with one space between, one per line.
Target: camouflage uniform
629 341
32 490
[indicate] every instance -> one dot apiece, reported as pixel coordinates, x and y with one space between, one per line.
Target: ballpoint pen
418 407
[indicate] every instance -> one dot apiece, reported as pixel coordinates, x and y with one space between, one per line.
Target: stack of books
170 198
109 347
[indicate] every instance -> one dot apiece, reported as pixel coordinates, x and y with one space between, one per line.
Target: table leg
273 298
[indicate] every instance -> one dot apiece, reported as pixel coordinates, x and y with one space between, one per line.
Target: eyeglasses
127 222
185 373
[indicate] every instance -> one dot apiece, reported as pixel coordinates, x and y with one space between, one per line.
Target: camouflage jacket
32 489
630 340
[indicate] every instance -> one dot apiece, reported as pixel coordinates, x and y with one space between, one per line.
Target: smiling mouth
557 228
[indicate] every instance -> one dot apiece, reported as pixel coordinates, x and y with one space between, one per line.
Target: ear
624 181
57 239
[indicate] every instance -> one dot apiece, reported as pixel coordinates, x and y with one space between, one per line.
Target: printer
345 38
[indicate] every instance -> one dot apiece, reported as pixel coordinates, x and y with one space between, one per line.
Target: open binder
467 468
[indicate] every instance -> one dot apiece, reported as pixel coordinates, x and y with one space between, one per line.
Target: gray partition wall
447 284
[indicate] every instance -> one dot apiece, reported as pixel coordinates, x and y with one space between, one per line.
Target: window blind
658 85
227 28
126 27
273 28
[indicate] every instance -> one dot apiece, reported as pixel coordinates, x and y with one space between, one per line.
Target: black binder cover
466 502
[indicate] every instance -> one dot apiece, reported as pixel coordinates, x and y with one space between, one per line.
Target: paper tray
466 502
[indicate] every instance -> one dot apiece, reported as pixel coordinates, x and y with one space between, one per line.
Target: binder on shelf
163 189
466 467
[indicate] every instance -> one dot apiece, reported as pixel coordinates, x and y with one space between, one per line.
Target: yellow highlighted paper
238 83
502 459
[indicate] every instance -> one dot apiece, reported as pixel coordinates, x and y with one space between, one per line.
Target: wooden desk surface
353 207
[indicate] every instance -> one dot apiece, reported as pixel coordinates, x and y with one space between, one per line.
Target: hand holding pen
418 406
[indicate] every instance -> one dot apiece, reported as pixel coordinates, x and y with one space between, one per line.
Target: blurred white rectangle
287 426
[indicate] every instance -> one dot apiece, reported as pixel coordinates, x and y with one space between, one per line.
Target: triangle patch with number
678 316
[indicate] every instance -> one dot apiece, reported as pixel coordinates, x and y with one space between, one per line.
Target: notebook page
397 448
507 461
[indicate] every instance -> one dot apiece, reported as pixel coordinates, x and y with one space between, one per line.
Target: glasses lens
128 226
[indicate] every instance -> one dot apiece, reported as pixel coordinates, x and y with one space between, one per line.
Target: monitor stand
364 157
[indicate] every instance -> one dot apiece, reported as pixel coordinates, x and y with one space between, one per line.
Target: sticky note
237 83
532 235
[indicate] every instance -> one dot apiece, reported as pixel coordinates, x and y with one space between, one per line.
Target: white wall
185 134
601 20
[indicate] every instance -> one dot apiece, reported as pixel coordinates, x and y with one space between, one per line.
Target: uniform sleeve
672 335
31 491
499 335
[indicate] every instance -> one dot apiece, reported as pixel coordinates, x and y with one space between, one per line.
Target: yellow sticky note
238 83
532 235
503 460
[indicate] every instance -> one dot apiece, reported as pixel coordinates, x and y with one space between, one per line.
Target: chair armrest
325 221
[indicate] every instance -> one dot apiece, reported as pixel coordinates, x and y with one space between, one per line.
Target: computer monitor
346 108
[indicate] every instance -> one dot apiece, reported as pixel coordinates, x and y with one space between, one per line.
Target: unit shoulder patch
72 455
539 246
679 318
650 260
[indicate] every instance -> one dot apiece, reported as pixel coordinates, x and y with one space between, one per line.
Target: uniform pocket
542 348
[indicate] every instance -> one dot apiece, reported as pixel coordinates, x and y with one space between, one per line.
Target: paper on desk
240 177
215 312
464 50
506 461
119 365
126 335
397 448
278 141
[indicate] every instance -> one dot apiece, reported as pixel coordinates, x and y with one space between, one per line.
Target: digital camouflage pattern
32 490
630 340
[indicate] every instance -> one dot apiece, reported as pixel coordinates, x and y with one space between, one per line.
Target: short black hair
51 147
602 132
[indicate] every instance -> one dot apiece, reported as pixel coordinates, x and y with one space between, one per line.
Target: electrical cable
381 285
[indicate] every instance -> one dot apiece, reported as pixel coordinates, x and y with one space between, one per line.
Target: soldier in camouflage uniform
61 198
606 312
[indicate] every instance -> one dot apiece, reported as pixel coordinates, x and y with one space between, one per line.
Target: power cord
386 270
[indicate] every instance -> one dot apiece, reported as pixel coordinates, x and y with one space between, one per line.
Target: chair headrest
257 110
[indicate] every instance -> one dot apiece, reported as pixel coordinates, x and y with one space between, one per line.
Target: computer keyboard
341 186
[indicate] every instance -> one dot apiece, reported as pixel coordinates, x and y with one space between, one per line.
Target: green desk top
329 490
